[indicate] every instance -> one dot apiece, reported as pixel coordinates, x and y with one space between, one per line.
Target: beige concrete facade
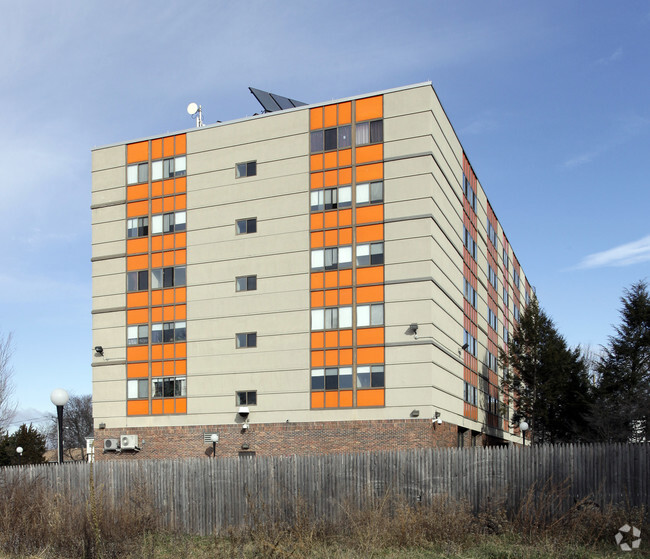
424 265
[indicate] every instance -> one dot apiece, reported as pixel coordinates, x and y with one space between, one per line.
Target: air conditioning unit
111 444
129 442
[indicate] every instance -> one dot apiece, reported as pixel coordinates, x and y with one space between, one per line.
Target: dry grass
37 522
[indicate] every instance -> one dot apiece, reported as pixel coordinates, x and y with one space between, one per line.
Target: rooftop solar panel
273 102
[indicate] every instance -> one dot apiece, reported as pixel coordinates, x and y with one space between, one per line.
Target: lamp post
523 426
214 438
59 398
19 451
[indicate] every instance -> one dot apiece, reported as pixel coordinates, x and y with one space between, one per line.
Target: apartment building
320 279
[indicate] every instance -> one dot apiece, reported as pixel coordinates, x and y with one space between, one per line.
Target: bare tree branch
7 403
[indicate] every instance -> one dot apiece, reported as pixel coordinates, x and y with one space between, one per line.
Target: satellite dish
192 109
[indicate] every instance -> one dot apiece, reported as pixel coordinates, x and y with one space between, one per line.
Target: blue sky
549 99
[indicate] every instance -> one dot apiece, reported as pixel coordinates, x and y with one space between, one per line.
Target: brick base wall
280 439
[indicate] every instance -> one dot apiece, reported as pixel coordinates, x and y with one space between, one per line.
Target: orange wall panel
181 312
317 340
345 217
345 159
168 368
330 161
370 336
345 278
156 351
317 280
345 112
156 369
370 275
366 154
156 260
168 351
156 206
368 214
180 184
345 297
137 353
345 357
181 257
168 146
316 180
317 358
137 192
345 175
168 187
156 189
369 108
134 209
180 239
168 405
168 204
137 316
331 178
156 407
345 337
331 218
331 298
369 355
345 236
331 357
181 350
137 407
331 237
317 239
332 339
137 370
181 294
316 118
168 313
369 233
156 148
331 279
316 162
181 201
317 399
181 405
168 258
329 116
156 314
139 299
137 152
135 246
181 367
168 296
372 172
373 397
345 398
316 221
331 399
180 144
370 294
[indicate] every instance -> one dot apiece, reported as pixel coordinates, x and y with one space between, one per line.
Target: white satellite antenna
195 111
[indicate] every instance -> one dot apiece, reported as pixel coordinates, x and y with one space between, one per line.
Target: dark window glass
168 332
330 198
376 253
180 275
168 277
317 141
317 382
246 398
331 258
331 379
377 380
180 333
345 136
248 339
246 226
143 172
330 139
376 192
168 388
156 333
345 378
137 281
376 131
251 168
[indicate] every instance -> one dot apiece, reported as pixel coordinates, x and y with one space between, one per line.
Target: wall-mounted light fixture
437 419
99 350
415 413
464 346
414 328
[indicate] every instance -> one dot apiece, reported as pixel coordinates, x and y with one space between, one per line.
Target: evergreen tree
622 391
546 382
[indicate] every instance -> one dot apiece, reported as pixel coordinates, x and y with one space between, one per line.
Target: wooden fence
204 495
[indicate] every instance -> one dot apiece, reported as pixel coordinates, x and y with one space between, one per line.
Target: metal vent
207 437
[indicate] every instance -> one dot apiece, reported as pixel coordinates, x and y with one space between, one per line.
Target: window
330 137
370 376
506 334
527 296
331 198
471 394
469 242
470 293
493 405
331 258
371 254
506 297
515 311
137 388
244 226
470 342
492 277
492 319
246 339
168 332
247 169
515 278
172 276
331 318
246 283
169 387
248 398
345 136
135 174
469 192
370 193
169 168
137 334
491 233
168 223
137 281
370 132
137 227
505 258
491 361
370 315
331 378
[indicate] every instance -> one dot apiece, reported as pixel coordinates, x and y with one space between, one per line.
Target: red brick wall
281 439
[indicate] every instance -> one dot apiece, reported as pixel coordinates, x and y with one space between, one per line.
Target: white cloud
618 53
623 255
